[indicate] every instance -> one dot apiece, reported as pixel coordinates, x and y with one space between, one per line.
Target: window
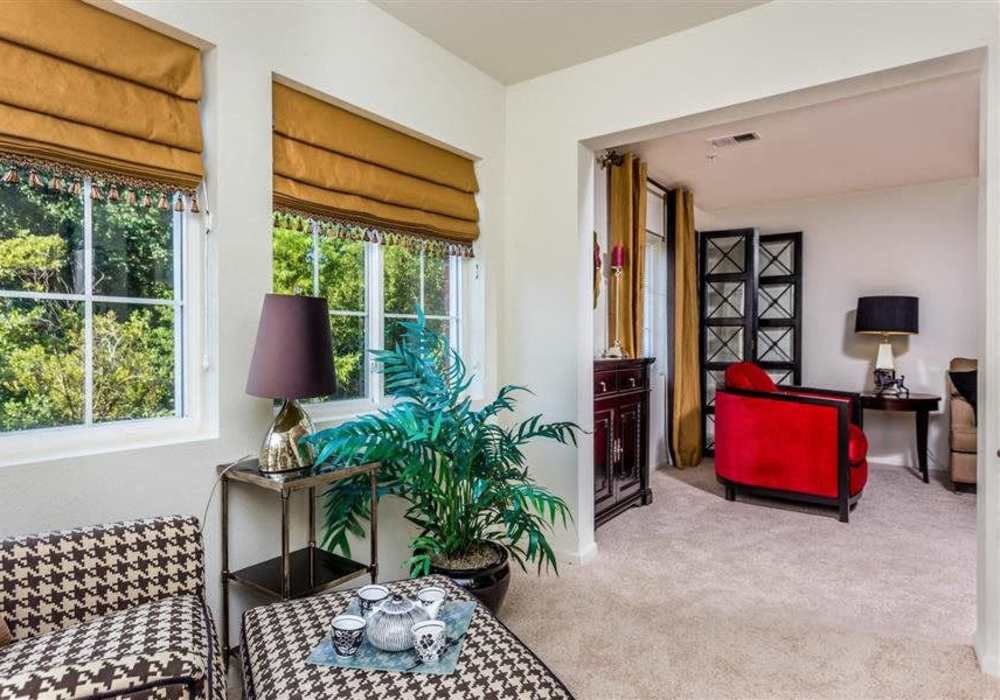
371 289
91 308
306 262
411 278
654 292
654 283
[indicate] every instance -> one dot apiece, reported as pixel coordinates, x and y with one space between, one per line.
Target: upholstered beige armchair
962 436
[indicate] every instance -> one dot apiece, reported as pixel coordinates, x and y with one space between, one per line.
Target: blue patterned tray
455 614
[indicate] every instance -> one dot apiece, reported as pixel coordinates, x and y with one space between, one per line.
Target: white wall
554 122
601 338
353 52
918 240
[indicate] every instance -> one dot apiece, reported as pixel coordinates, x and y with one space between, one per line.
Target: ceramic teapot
390 623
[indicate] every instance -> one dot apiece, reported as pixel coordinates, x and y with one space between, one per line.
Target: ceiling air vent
734 139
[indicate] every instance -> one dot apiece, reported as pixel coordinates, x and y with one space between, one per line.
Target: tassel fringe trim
105 187
356 231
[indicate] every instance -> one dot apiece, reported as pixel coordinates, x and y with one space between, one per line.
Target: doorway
858 355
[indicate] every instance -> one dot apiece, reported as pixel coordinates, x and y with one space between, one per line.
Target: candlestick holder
615 352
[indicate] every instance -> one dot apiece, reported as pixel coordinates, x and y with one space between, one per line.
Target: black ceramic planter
489 583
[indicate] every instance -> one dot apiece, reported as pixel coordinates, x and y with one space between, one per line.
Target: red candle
618 256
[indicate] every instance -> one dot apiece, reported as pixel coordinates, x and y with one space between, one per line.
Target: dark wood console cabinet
621 436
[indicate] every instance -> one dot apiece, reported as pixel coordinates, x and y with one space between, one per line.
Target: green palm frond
464 477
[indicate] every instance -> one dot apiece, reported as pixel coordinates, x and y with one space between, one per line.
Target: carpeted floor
696 597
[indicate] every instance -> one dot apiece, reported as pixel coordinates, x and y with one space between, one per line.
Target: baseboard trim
588 553
932 467
578 556
989 664
895 460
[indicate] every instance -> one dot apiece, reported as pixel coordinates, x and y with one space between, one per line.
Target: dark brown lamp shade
887 314
293 357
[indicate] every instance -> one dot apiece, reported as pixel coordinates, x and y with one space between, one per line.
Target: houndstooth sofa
109 611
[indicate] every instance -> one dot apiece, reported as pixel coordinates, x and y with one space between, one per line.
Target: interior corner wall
353 52
918 240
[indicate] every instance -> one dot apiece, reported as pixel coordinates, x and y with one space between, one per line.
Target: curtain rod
610 157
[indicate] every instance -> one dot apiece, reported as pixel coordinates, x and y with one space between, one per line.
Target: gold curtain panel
332 171
88 88
331 162
297 196
82 34
627 228
686 427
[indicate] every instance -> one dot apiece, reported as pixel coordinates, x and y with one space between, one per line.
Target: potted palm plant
462 474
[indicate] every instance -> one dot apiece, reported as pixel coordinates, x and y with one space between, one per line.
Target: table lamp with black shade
292 360
886 316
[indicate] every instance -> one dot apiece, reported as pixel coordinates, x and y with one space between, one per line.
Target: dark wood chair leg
845 510
730 493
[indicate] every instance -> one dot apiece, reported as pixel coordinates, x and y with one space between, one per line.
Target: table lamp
292 360
885 316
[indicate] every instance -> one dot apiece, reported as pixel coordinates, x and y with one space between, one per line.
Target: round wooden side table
919 404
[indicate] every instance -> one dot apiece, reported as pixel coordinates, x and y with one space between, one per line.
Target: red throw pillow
748 376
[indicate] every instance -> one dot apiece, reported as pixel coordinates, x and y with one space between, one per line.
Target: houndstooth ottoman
277 639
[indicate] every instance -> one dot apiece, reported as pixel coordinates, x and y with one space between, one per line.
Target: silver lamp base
280 452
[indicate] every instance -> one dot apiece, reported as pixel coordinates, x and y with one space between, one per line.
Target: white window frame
655 254
191 420
341 409
654 240
454 303
647 295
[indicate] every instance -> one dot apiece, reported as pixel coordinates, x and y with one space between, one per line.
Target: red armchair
789 442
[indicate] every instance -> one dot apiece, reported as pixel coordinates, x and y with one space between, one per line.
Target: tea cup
429 640
348 633
371 595
431 599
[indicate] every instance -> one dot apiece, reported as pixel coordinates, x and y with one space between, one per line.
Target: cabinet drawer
629 379
604 383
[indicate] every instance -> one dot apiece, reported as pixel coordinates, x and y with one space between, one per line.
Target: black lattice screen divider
728 311
751 308
779 307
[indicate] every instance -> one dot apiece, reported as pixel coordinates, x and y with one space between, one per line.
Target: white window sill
326 415
48 444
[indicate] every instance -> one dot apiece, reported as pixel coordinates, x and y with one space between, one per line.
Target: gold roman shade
86 92
335 167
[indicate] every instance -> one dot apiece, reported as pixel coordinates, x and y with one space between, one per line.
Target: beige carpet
697 597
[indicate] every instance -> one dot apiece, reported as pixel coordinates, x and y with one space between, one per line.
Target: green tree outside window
313 263
43 312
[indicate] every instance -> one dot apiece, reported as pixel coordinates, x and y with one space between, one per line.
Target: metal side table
305 571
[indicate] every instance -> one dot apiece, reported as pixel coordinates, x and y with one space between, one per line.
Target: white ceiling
514 40
924 131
